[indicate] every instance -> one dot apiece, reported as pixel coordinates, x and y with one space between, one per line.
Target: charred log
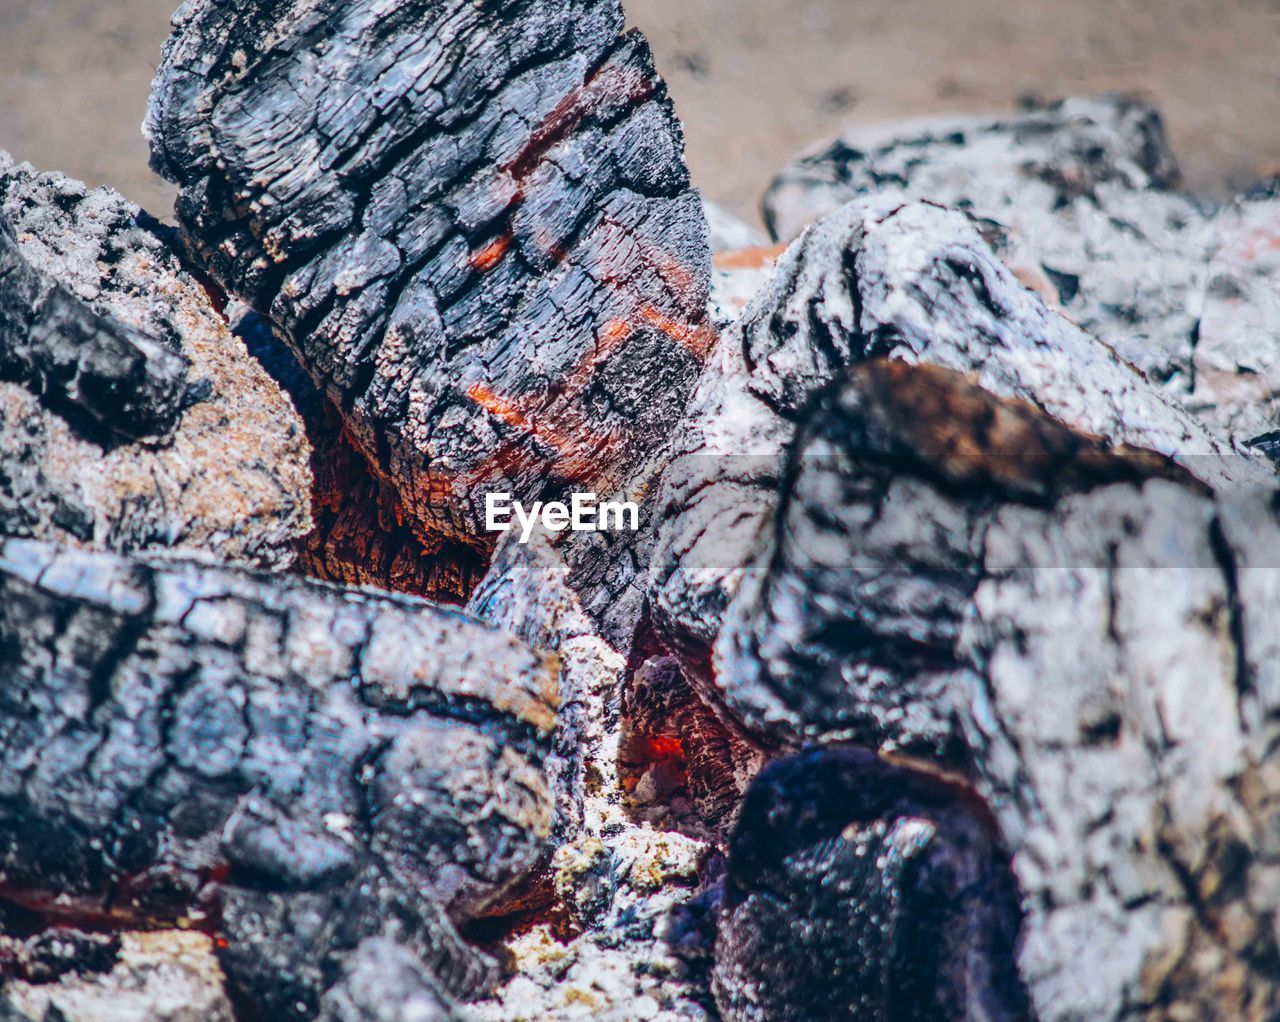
859 890
123 342
1085 632
482 246
914 282
888 489
1078 197
362 533
301 768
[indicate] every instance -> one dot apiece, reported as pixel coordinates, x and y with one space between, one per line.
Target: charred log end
363 533
859 889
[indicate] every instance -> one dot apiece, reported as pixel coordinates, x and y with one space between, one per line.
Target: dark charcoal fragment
471 222
89 367
302 768
863 891
46 955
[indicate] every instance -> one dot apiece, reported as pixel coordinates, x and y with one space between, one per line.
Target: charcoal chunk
88 365
1081 632
125 345
297 766
860 890
473 225
914 282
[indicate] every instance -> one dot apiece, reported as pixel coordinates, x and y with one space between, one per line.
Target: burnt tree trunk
330 780
482 244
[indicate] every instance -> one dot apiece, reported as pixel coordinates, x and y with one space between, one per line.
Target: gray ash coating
120 342
88 367
910 281
848 624
304 769
1079 196
1083 630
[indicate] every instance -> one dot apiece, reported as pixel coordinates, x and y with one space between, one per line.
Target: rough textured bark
305 769
127 343
912 281
1079 198
117 378
1085 633
482 244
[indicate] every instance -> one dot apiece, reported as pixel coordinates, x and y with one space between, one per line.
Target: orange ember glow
488 257
699 340
665 747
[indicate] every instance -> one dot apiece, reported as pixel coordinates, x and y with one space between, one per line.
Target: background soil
754 80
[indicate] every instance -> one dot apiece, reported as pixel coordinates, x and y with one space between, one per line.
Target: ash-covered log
891 482
911 281
472 223
311 773
120 344
113 377
1236 363
1082 633
1079 197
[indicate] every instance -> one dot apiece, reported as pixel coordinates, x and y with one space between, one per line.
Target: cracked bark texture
313 773
1079 198
915 282
1085 633
126 342
471 222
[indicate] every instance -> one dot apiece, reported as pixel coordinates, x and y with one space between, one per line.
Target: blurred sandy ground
753 80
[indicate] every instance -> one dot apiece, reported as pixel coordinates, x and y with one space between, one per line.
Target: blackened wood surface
471 221
300 767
